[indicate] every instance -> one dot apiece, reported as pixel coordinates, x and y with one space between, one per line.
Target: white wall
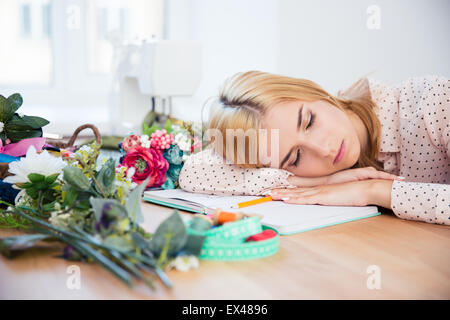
326 41
323 40
329 42
237 35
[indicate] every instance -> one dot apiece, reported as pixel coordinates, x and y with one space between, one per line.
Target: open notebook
285 218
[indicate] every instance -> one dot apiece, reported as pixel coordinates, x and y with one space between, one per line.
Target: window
59 54
26 55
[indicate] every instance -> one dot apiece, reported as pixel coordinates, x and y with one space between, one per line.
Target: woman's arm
207 172
354 193
428 202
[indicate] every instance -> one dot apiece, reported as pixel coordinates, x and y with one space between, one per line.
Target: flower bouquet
159 153
95 211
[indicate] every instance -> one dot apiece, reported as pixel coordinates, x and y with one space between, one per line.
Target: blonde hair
246 96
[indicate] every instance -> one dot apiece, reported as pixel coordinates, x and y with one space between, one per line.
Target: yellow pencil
253 202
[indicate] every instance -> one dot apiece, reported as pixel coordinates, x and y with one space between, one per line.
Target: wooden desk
329 263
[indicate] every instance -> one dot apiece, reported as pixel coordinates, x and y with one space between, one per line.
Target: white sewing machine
147 76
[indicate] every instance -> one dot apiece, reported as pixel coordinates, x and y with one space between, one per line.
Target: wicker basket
70 143
58 144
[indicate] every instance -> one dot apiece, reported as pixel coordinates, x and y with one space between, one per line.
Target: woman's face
315 138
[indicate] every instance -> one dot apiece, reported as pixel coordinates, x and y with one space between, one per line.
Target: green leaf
118 242
145 128
174 227
9 106
194 244
149 130
75 177
49 206
4 109
36 177
34 122
168 126
133 204
51 179
18 135
103 260
15 101
24 185
10 244
140 241
106 177
98 204
71 197
3 137
32 192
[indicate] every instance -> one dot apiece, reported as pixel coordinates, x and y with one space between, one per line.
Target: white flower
144 138
130 173
43 163
59 220
86 148
2 125
184 263
183 141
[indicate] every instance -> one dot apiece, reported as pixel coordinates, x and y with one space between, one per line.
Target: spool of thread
221 217
266 234
201 223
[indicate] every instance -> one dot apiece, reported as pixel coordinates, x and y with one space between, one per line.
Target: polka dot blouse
415 144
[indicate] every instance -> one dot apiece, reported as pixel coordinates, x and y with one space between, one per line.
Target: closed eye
311 120
297 158
310 123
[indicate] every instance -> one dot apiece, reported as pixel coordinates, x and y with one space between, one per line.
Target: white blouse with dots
415 144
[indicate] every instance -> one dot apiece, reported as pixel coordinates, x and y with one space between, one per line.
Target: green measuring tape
227 242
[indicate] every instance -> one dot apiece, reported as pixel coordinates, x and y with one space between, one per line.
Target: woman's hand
355 193
347 175
360 174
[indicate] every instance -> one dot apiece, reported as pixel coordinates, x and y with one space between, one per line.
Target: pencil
252 202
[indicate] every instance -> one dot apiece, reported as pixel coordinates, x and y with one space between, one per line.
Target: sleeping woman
370 145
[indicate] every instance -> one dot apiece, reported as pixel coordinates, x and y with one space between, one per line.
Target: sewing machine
147 76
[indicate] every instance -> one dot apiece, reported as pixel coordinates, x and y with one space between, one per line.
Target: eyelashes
297 159
312 118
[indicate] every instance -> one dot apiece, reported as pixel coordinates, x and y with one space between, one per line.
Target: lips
340 153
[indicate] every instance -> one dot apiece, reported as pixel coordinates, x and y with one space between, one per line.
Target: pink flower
147 163
160 139
130 142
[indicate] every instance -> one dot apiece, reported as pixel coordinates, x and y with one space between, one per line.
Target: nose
320 148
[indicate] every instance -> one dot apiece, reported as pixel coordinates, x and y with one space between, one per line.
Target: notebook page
277 213
210 201
284 217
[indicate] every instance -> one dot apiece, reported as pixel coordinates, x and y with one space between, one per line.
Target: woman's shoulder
414 84
206 156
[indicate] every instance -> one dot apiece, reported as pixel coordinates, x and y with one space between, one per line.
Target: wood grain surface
329 263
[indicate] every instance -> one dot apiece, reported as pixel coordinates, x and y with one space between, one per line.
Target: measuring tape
227 242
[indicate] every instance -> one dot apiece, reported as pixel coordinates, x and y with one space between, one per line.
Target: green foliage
106 177
16 127
84 211
168 126
133 204
149 130
172 233
75 178
8 246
